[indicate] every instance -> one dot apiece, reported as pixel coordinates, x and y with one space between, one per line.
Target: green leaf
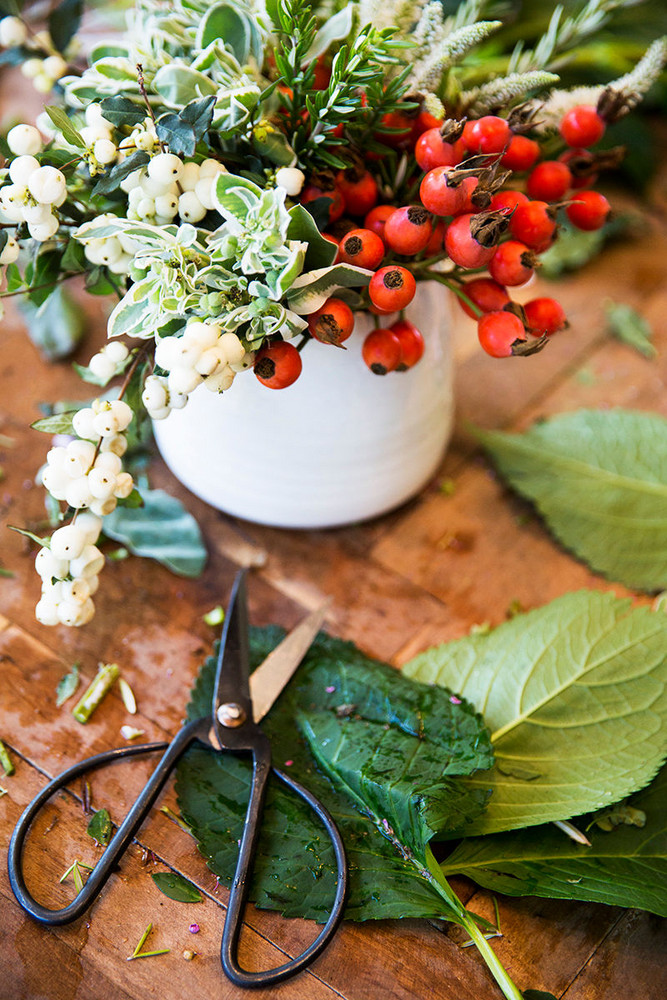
367 706
110 182
57 325
627 867
575 695
227 24
310 291
599 478
162 530
270 142
123 111
199 114
67 685
628 326
64 22
44 542
334 29
61 121
57 423
177 134
320 252
176 887
99 827
178 85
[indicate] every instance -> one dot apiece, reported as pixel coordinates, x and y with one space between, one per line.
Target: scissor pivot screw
231 715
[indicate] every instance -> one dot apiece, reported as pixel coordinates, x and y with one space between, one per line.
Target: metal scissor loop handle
120 840
261 754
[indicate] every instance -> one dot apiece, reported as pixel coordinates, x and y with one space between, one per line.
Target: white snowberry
46 611
154 396
90 525
10 252
166 205
55 67
109 462
68 542
22 168
78 493
88 564
12 31
190 207
49 566
114 443
124 485
189 177
165 168
47 185
82 422
210 167
291 179
43 231
24 140
31 68
117 351
104 151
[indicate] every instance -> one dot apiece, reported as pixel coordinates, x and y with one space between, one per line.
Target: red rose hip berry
392 288
362 247
408 230
582 126
411 341
521 153
499 333
544 316
277 365
360 193
590 210
489 134
439 195
512 263
462 247
332 323
432 151
534 224
376 220
486 294
549 181
381 351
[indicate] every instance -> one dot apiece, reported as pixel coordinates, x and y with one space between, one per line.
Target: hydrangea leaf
624 867
575 696
419 734
599 478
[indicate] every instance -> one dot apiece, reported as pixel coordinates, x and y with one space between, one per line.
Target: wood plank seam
612 927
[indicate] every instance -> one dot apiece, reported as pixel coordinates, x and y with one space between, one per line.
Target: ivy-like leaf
626 867
64 22
294 868
575 695
599 478
176 887
122 110
110 182
161 529
320 252
176 133
99 827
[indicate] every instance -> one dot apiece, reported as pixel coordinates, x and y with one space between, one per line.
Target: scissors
239 703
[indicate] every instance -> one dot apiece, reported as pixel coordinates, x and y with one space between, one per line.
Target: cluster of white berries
69 570
114 252
167 188
43 72
204 354
35 191
89 473
105 363
101 150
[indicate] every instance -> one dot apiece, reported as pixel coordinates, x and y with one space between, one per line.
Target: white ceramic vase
340 445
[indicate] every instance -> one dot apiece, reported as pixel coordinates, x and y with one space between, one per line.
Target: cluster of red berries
465 213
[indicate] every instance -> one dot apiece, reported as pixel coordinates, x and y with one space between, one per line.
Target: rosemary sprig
138 953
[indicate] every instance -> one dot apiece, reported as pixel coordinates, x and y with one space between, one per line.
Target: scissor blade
231 677
269 679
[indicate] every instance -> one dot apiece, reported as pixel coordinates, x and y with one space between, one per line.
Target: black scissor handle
261 755
118 843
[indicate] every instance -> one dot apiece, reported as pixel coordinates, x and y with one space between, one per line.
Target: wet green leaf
67 685
176 887
630 327
99 827
599 478
575 696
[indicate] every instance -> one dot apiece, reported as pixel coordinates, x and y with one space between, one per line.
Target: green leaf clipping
161 529
599 478
67 685
176 887
625 867
575 696
630 327
99 827
399 749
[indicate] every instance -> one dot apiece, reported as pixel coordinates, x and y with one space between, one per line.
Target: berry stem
458 291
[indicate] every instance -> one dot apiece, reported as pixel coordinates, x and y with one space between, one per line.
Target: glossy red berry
425 121
512 263
411 341
336 206
487 295
332 323
440 196
549 181
582 126
376 219
489 134
590 210
582 166
362 247
360 193
392 288
381 351
507 201
277 365
534 224
521 153
499 333
408 230
432 151
462 247
544 316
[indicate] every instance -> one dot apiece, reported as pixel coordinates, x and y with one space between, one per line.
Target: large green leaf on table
626 867
575 696
162 530
55 325
336 685
599 478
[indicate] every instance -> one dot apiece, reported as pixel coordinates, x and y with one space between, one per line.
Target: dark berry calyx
265 368
524 348
417 215
353 246
488 227
393 279
452 129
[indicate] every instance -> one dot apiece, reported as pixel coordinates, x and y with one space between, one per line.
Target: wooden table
421 575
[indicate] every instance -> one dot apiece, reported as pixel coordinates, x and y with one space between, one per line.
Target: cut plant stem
106 677
138 953
170 814
572 832
6 760
75 871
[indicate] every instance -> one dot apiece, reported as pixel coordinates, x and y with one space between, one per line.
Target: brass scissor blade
272 675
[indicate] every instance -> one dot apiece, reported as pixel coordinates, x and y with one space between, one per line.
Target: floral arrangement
247 176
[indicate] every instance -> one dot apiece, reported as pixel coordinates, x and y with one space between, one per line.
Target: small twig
144 94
